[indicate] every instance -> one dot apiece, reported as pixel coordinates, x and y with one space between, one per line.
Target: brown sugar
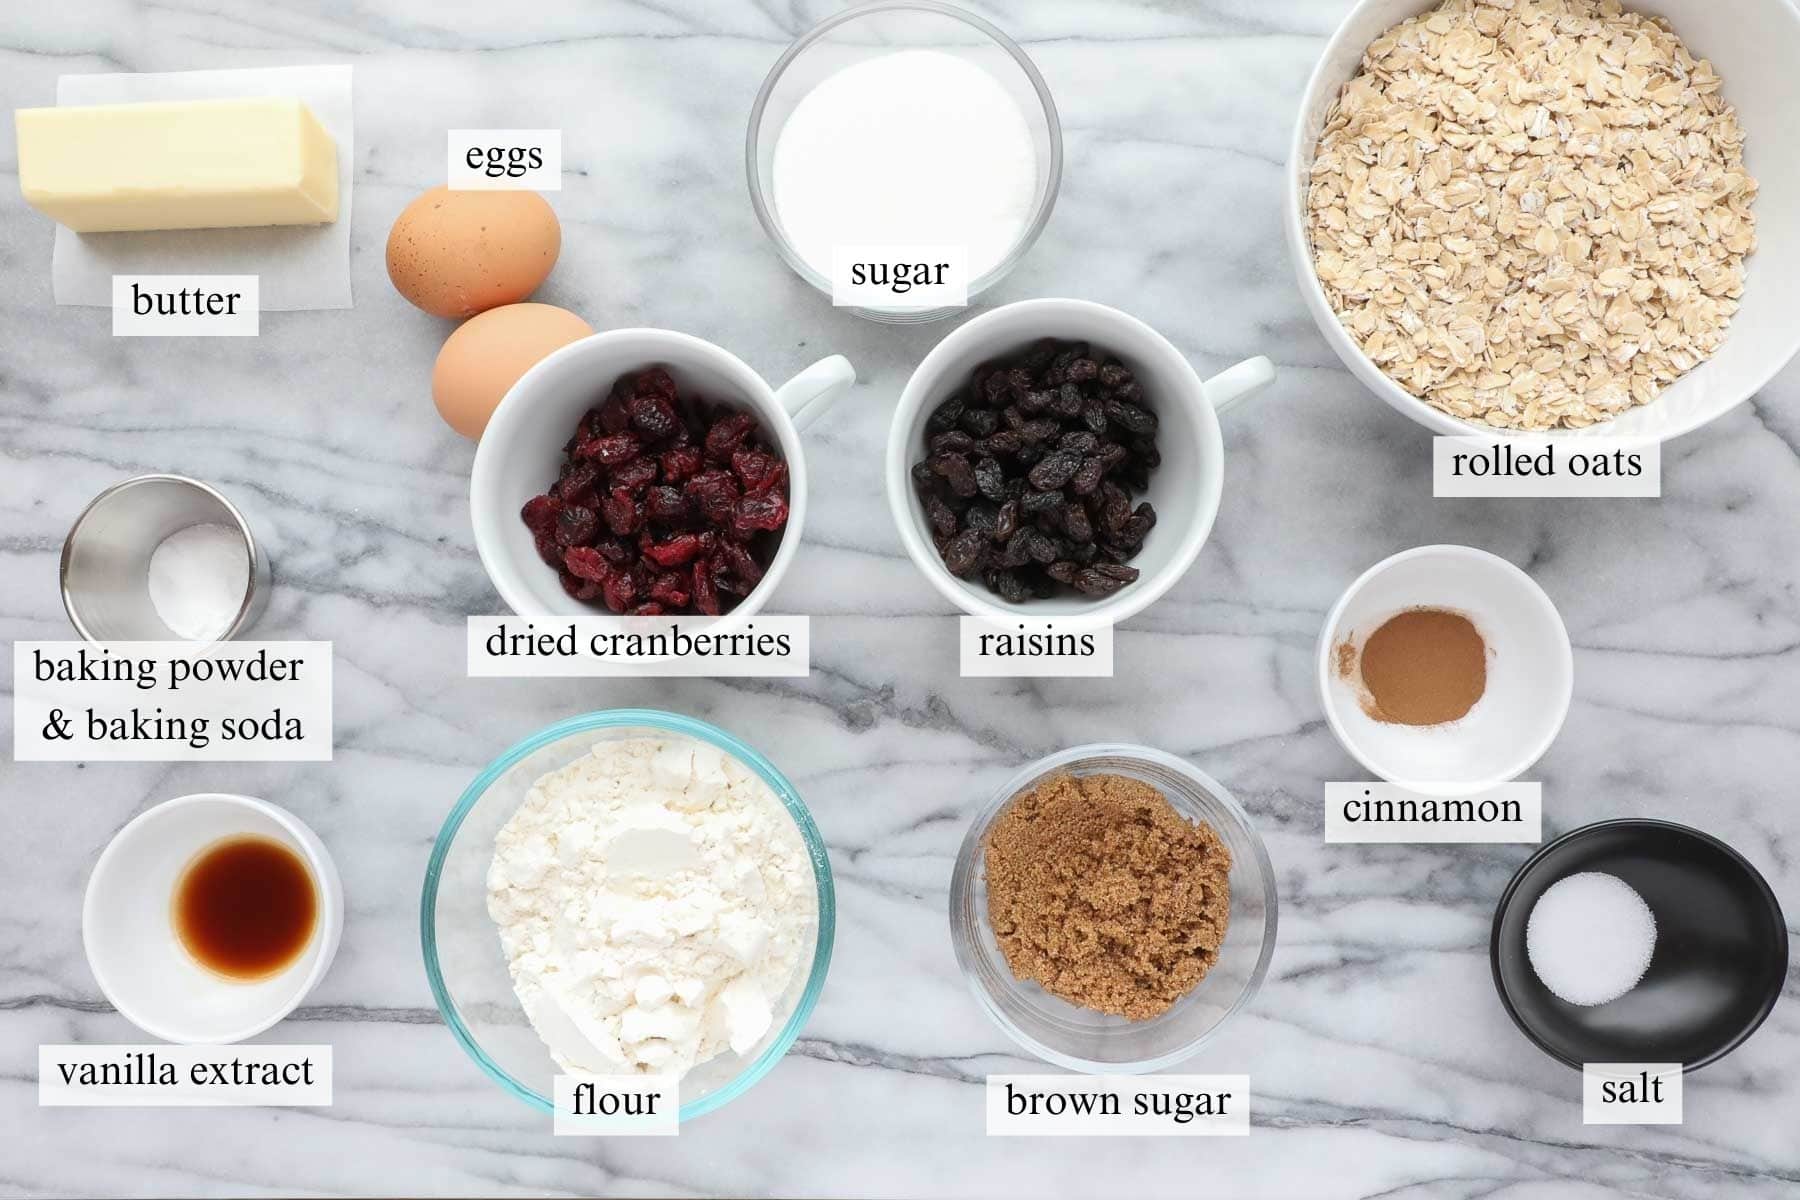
1424 666
1099 891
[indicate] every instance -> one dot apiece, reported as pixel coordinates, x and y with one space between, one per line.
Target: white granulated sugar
1590 938
654 901
918 147
198 578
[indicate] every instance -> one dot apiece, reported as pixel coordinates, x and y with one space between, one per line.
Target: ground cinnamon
1104 895
1424 666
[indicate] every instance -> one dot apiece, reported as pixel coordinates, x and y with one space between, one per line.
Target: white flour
654 899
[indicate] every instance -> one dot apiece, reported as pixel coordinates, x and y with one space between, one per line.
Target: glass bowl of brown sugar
1112 907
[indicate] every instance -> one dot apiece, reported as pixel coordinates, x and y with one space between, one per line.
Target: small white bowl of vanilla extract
209 918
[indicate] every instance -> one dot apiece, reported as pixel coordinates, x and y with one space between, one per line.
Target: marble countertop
1381 1062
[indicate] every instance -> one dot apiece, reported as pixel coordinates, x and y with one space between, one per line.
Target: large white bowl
1755 45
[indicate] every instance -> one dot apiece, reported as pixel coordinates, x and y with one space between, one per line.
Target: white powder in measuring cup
1590 938
918 147
198 578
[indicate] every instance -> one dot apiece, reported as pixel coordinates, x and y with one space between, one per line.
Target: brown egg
457 253
486 355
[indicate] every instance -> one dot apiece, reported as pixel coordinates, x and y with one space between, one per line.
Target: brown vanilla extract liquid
245 907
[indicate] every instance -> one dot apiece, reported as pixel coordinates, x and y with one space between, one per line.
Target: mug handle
1234 385
807 395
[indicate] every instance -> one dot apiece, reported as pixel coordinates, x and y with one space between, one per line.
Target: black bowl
1721 948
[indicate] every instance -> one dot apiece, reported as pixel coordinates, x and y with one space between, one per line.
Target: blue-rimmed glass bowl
463 959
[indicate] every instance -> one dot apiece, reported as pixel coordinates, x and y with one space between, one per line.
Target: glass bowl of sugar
911 148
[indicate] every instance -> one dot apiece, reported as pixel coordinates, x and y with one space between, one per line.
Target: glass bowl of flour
628 892
912 139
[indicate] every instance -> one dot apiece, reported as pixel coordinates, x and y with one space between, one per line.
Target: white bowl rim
1539 598
325 876
1301 144
481 499
962 883
1109 610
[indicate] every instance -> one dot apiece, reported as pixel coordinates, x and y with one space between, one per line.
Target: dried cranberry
648 609
619 590
742 564
654 417
540 513
706 594
716 493
758 469
759 511
623 512
673 552
672 589
666 505
576 525
579 588
548 550
681 463
585 562
726 433
610 450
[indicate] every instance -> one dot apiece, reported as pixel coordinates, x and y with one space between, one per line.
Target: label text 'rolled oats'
1537 467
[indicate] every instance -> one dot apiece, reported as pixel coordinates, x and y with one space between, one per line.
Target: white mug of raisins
1059 459
646 472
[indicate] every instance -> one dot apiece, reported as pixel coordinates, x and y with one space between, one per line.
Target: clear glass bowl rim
765 212
962 880
641 718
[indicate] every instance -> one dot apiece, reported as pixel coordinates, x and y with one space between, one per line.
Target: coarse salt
1590 938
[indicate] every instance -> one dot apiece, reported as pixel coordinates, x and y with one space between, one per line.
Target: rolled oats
1532 213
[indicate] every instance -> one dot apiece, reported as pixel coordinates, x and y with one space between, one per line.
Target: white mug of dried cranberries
646 472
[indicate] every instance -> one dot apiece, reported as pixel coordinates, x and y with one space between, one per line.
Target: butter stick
191 164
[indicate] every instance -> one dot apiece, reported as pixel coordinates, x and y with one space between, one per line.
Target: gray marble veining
1381 1062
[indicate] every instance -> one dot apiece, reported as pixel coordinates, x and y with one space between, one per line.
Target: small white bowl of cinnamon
1445 669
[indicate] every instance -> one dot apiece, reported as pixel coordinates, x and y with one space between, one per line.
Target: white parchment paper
302 266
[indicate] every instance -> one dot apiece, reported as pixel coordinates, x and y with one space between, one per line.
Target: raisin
1006 521
956 472
982 518
1056 469
1035 505
1095 581
1087 477
1036 402
1006 441
924 478
979 421
1077 524
1082 369
540 514
1063 570
1093 415
943 417
1038 545
965 551
1068 402
990 479
1010 586
576 525
956 441
1082 441
1113 376
940 516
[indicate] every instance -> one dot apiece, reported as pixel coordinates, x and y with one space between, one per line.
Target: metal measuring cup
106 557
